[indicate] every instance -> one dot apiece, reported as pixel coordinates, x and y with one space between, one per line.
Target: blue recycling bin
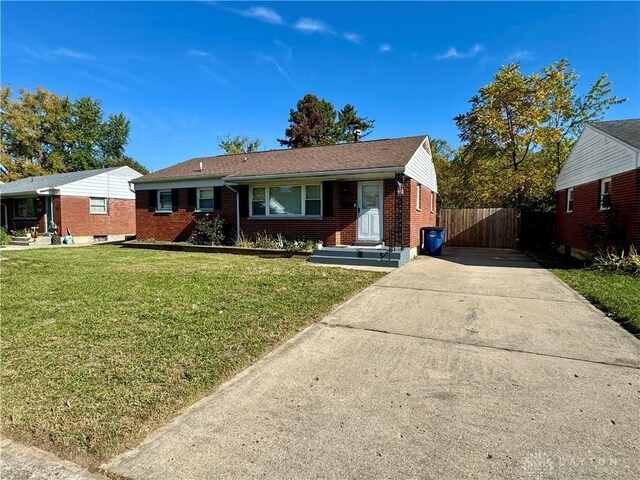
431 239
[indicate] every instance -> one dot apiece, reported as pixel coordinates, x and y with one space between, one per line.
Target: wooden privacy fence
480 227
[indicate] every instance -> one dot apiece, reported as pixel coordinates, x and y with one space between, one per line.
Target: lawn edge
623 322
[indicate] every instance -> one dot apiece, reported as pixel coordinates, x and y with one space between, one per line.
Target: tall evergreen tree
316 122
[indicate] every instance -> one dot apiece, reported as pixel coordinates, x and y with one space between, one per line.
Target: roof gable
596 155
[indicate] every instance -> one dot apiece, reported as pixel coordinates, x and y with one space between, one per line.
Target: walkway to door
478 364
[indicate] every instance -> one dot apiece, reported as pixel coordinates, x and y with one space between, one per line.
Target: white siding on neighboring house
420 167
111 184
596 155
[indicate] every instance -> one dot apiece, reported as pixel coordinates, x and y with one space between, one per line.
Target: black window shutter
191 199
327 199
244 200
217 198
153 200
175 199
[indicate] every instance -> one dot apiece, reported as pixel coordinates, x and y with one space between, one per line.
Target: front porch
378 256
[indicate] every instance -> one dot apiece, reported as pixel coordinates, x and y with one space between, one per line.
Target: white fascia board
178 183
328 174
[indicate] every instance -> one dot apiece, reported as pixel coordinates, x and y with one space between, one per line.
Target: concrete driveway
479 364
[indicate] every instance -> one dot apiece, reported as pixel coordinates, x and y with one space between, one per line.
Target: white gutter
176 179
237 210
324 173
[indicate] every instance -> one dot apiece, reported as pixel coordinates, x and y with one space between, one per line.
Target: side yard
100 345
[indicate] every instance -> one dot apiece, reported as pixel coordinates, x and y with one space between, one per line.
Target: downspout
237 210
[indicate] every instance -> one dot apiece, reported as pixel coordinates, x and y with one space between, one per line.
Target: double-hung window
419 198
605 194
569 200
205 199
98 205
164 201
286 201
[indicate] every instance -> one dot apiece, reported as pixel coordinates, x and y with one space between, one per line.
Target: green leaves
44 133
519 131
316 122
239 144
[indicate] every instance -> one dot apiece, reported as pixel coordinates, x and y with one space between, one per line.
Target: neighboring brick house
95 205
339 194
598 190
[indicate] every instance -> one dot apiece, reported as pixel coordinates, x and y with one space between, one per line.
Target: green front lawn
616 294
100 345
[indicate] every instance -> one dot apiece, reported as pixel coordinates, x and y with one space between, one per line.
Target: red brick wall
334 230
73 213
338 229
625 198
423 218
178 225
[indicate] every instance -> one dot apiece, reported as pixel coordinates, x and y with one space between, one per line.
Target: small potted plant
319 245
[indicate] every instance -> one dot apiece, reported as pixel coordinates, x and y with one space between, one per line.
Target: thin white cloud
271 60
311 25
385 48
454 53
353 37
68 53
520 55
264 14
198 53
288 51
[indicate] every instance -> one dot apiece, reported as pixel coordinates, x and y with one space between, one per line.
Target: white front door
370 211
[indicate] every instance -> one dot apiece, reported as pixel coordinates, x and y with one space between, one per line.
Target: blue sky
188 73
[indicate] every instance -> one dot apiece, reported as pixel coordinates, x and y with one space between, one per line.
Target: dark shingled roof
627 131
395 152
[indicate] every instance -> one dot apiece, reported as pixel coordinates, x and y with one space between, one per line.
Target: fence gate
480 227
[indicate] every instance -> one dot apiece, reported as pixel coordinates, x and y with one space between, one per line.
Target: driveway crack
480 345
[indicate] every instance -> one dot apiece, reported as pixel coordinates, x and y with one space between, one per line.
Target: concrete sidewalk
20 462
479 364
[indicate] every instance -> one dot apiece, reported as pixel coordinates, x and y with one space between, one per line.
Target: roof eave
143 179
324 173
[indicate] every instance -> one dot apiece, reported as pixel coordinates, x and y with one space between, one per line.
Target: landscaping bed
187 247
102 345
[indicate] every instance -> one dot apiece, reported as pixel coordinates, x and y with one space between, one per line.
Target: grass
617 294
100 345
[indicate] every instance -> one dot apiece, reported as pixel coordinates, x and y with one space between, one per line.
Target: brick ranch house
95 205
361 192
598 190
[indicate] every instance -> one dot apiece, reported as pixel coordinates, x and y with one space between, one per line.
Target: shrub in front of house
623 263
209 230
5 239
279 242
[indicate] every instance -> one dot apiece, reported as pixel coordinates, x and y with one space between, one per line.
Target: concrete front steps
361 256
28 241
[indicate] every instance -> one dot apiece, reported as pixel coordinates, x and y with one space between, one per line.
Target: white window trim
303 198
164 210
602 183
213 200
569 200
432 203
106 206
419 198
